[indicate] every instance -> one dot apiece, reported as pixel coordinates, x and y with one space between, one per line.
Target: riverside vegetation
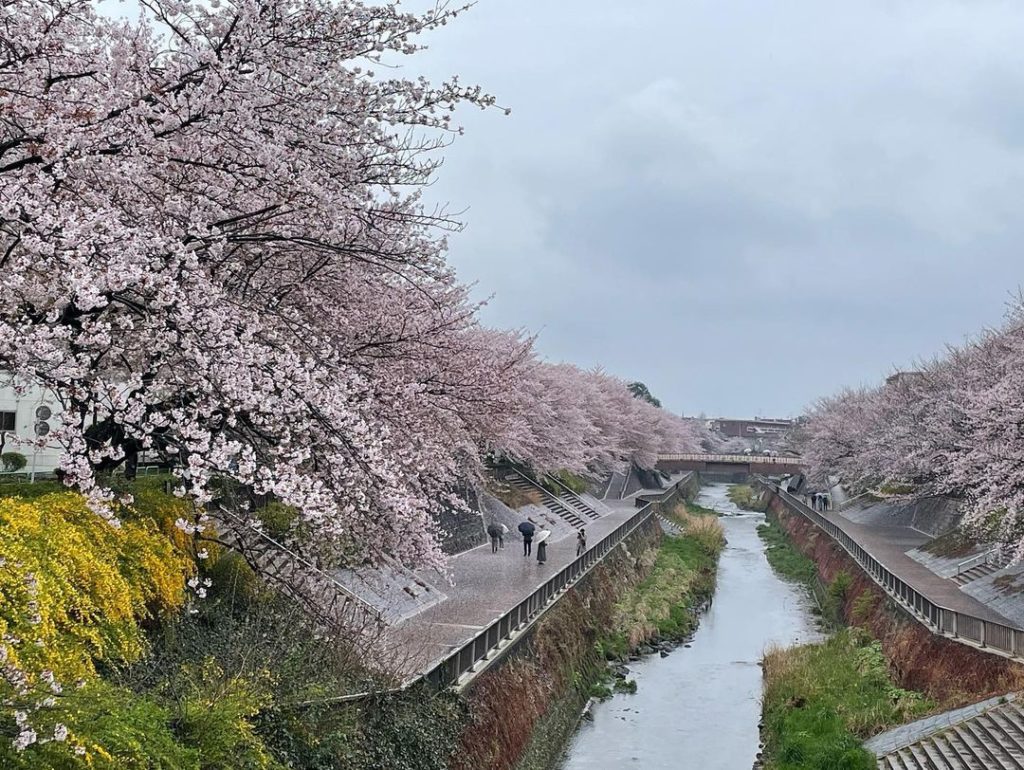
665 606
748 498
821 701
137 646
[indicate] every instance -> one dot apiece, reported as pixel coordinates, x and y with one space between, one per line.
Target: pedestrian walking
542 545
527 529
501 537
494 532
581 542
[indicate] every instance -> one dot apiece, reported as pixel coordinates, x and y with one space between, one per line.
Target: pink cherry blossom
214 251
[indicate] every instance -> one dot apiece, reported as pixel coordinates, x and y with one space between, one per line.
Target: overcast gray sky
744 204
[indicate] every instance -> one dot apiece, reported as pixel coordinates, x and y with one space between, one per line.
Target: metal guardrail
464 660
751 458
975 561
996 637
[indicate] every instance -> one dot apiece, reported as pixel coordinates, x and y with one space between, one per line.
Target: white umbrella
543 535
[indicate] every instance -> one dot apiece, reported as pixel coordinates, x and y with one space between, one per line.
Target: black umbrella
527 529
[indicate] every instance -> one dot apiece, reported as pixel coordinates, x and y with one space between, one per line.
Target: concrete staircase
975 573
993 562
396 591
567 506
990 740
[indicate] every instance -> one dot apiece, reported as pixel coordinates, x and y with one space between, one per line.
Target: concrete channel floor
484 586
889 545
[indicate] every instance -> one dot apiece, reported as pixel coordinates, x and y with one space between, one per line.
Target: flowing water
698 709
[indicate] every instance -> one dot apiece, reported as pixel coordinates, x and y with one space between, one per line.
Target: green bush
13 462
214 717
413 730
822 700
277 519
863 606
576 483
840 586
28 490
113 728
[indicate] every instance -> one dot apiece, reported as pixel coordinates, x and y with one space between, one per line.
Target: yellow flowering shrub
73 586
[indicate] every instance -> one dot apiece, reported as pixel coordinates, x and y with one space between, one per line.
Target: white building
27 413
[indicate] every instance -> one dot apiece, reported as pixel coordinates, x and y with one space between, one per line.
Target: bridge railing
751 458
962 626
465 659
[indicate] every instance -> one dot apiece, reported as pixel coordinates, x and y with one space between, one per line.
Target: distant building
28 412
903 378
758 427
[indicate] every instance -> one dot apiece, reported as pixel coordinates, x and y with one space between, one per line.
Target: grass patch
952 544
822 700
792 565
785 559
747 498
575 482
664 605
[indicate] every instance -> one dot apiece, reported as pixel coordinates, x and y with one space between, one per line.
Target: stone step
990 740
578 505
552 503
974 573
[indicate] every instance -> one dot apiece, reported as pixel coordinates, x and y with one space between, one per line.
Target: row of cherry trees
954 426
213 248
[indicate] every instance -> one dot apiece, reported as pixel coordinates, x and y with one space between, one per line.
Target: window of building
7 421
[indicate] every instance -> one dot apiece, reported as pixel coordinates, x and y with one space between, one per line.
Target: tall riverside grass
666 604
822 700
706 531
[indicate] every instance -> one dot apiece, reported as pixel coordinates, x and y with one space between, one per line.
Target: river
698 708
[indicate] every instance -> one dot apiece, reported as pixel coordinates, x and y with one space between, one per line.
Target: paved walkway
889 545
484 586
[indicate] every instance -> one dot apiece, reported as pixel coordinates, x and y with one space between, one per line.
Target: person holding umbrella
527 529
494 531
542 546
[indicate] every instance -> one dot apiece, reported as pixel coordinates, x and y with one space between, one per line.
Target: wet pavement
698 709
482 587
869 525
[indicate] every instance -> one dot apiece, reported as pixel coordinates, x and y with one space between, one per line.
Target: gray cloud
744 204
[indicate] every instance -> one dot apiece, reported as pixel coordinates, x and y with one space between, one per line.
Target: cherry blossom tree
953 427
588 422
214 249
